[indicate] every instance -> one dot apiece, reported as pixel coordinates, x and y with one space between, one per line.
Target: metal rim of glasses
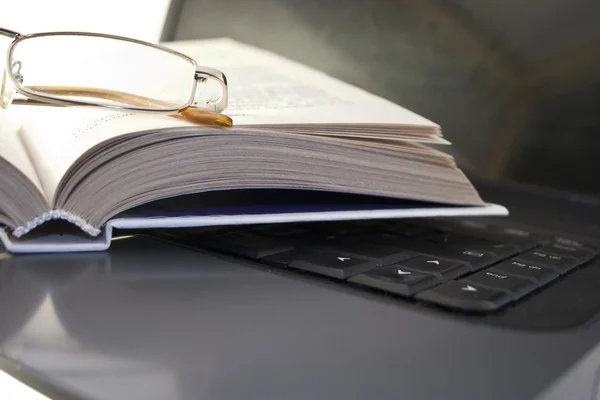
200 74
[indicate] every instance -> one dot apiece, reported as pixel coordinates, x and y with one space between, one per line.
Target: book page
56 137
269 89
12 149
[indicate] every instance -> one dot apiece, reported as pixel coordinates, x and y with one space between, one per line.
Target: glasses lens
105 71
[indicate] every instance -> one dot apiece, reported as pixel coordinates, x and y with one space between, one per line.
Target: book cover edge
101 241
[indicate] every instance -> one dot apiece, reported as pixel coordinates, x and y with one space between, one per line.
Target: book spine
56 215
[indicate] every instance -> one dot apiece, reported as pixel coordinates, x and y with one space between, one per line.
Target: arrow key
396 279
465 296
442 268
335 265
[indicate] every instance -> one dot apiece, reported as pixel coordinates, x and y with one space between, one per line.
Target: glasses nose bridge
16 71
203 74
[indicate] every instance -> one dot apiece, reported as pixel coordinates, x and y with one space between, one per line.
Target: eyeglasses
118 73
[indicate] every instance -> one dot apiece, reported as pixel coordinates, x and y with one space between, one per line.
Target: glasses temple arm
191 114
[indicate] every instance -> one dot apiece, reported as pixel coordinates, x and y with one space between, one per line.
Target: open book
303 147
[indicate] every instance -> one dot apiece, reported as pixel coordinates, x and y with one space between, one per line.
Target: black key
500 250
248 243
515 287
517 232
396 279
522 239
580 253
537 273
519 243
339 228
570 242
281 259
473 224
282 230
482 231
444 269
475 259
502 234
457 239
381 255
408 230
489 230
558 263
335 265
193 236
465 296
503 250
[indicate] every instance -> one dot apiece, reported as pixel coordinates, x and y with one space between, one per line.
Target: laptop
438 308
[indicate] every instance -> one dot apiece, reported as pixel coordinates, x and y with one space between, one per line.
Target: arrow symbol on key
433 262
400 272
343 258
468 288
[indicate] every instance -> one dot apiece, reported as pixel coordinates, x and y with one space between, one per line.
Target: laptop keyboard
463 265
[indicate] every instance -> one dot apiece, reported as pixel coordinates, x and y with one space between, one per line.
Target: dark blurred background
514 84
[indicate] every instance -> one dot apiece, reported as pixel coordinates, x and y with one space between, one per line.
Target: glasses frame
201 74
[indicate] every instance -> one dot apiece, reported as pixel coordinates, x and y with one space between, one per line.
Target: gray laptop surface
495 308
